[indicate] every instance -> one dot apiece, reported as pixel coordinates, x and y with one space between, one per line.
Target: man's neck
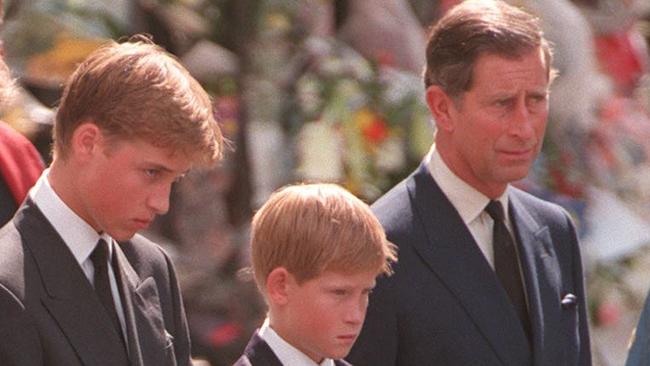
453 162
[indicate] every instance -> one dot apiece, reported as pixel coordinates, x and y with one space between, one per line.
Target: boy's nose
159 200
357 313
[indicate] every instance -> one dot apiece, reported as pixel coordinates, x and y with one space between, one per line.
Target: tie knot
99 256
495 210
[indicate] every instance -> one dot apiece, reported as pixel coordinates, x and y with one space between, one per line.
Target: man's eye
152 173
503 102
339 292
538 98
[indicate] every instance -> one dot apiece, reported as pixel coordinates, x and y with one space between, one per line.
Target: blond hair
135 90
312 228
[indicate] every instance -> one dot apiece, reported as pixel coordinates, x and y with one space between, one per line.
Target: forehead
143 152
353 279
493 71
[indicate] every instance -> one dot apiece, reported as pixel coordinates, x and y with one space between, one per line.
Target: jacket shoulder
544 211
394 209
12 262
143 253
242 361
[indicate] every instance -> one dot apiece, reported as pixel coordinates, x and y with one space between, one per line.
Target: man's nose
521 122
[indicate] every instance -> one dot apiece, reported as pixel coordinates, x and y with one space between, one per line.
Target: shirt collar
288 354
468 201
77 234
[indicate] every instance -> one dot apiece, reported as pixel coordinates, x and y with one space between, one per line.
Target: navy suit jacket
444 304
258 353
50 314
639 354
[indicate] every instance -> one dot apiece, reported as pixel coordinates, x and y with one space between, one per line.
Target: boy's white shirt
286 353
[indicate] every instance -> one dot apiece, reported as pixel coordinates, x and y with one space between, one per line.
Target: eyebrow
164 168
541 93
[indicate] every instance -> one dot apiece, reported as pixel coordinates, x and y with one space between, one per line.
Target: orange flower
374 129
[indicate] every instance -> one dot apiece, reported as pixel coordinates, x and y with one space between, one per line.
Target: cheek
327 315
121 194
540 127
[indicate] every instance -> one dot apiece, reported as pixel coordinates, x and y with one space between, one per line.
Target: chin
122 236
516 174
338 354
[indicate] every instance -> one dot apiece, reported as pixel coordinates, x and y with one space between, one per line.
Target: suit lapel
452 254
259 353
127 281
147 337
541 273
69 297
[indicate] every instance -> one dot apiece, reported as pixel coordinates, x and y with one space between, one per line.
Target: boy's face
325 314
126 184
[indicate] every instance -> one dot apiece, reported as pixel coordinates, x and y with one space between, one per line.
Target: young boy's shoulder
258 353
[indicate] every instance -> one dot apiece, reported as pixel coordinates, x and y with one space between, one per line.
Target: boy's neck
278 332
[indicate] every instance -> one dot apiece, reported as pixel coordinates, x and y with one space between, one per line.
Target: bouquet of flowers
356 123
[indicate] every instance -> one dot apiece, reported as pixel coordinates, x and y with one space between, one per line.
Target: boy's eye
340 292
151 173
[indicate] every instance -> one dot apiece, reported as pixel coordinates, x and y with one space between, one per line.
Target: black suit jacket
444 304
50 314
258 353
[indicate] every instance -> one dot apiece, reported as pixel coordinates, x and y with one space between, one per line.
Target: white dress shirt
469 203
286 353
80 237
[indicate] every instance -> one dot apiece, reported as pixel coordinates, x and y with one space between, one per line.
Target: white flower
319 153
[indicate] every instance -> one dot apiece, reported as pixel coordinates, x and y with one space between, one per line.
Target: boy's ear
442 107
278 284
86 139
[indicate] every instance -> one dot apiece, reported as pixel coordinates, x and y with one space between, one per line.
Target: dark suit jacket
258 353
639 354
444 304
50 314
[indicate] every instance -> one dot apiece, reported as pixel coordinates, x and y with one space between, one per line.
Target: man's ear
87 139
278 284
441 106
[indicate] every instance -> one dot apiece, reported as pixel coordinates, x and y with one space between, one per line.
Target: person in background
78 286
488 274
316 251
20 164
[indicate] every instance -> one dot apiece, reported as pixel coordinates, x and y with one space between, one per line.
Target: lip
347 337
517 154
142 223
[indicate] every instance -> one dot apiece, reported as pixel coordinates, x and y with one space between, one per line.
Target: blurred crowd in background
330 90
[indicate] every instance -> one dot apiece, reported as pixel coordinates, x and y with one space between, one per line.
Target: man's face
498 126
327 312
127 184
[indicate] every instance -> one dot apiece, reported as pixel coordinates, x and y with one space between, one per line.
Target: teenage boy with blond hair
316 251
77 285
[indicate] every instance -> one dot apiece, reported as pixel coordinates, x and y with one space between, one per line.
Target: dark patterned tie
100 260
506 264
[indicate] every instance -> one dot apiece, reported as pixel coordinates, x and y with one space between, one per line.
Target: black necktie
100 260
506 263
